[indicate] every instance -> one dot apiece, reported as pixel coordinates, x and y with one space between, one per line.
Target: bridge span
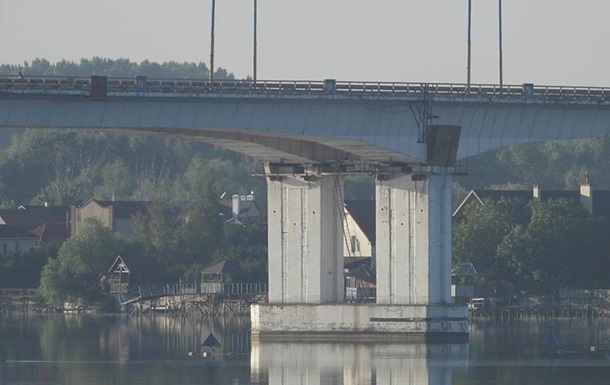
310 134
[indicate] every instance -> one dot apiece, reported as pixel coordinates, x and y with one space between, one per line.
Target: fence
138 293
233 288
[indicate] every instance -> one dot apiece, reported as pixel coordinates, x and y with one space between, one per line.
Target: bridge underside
315 129
285 149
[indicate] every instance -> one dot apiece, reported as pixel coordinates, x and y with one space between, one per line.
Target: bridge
310 134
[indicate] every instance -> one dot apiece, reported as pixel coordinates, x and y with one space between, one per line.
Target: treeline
115 68
553 165
70 167
535 247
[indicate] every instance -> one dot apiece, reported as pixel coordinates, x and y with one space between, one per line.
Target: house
597 203
132 270
116 215
214 276
360 284
351 263
239 207
359 228
14 240
211 348
49 223
52 232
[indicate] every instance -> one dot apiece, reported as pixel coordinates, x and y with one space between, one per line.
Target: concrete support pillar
413 246
304 238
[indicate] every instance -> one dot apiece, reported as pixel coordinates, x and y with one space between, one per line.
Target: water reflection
78 349
153 349
355 364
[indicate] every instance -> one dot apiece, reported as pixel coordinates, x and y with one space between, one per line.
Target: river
166 349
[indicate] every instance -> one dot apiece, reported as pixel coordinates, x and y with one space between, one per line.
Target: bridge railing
142 86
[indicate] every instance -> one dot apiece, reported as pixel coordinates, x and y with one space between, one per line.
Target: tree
159 230
59 167
563 246
537 247
23 269
75 275
477 235
247 245
203 231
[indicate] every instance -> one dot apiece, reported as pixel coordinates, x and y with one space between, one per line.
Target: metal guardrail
143 86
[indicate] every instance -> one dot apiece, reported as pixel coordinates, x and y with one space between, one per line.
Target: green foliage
75 275
116 68
475 238
247 244
203 230
159 232
551 164
537 247
72 167
22 270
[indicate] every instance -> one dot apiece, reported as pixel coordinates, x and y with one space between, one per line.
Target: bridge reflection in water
356 363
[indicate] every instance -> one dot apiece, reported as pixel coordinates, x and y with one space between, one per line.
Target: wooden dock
228 299
22 300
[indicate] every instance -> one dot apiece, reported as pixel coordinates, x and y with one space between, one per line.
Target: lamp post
254 42
469 52
500 64
212 41
500 43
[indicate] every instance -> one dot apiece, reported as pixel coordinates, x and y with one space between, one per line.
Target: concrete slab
359 322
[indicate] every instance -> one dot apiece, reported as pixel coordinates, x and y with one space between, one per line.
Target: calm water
164 349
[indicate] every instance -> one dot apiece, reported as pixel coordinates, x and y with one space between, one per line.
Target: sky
546 42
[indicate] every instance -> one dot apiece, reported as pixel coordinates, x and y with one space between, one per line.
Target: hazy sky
557 42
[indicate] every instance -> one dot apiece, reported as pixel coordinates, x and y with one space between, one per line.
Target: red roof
52 232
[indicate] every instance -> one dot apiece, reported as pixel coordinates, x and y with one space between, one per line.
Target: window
354 244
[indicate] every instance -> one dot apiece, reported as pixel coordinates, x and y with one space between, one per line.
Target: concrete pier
413 227
413 261
305 235
358 322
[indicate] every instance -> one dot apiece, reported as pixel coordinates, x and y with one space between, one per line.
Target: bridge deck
142 86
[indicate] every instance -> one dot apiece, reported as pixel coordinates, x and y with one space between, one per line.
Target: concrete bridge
311 134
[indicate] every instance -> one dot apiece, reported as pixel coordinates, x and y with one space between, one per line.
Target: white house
359 228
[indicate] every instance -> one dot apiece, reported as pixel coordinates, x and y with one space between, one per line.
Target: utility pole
212 41
254 58
469 52
500 64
